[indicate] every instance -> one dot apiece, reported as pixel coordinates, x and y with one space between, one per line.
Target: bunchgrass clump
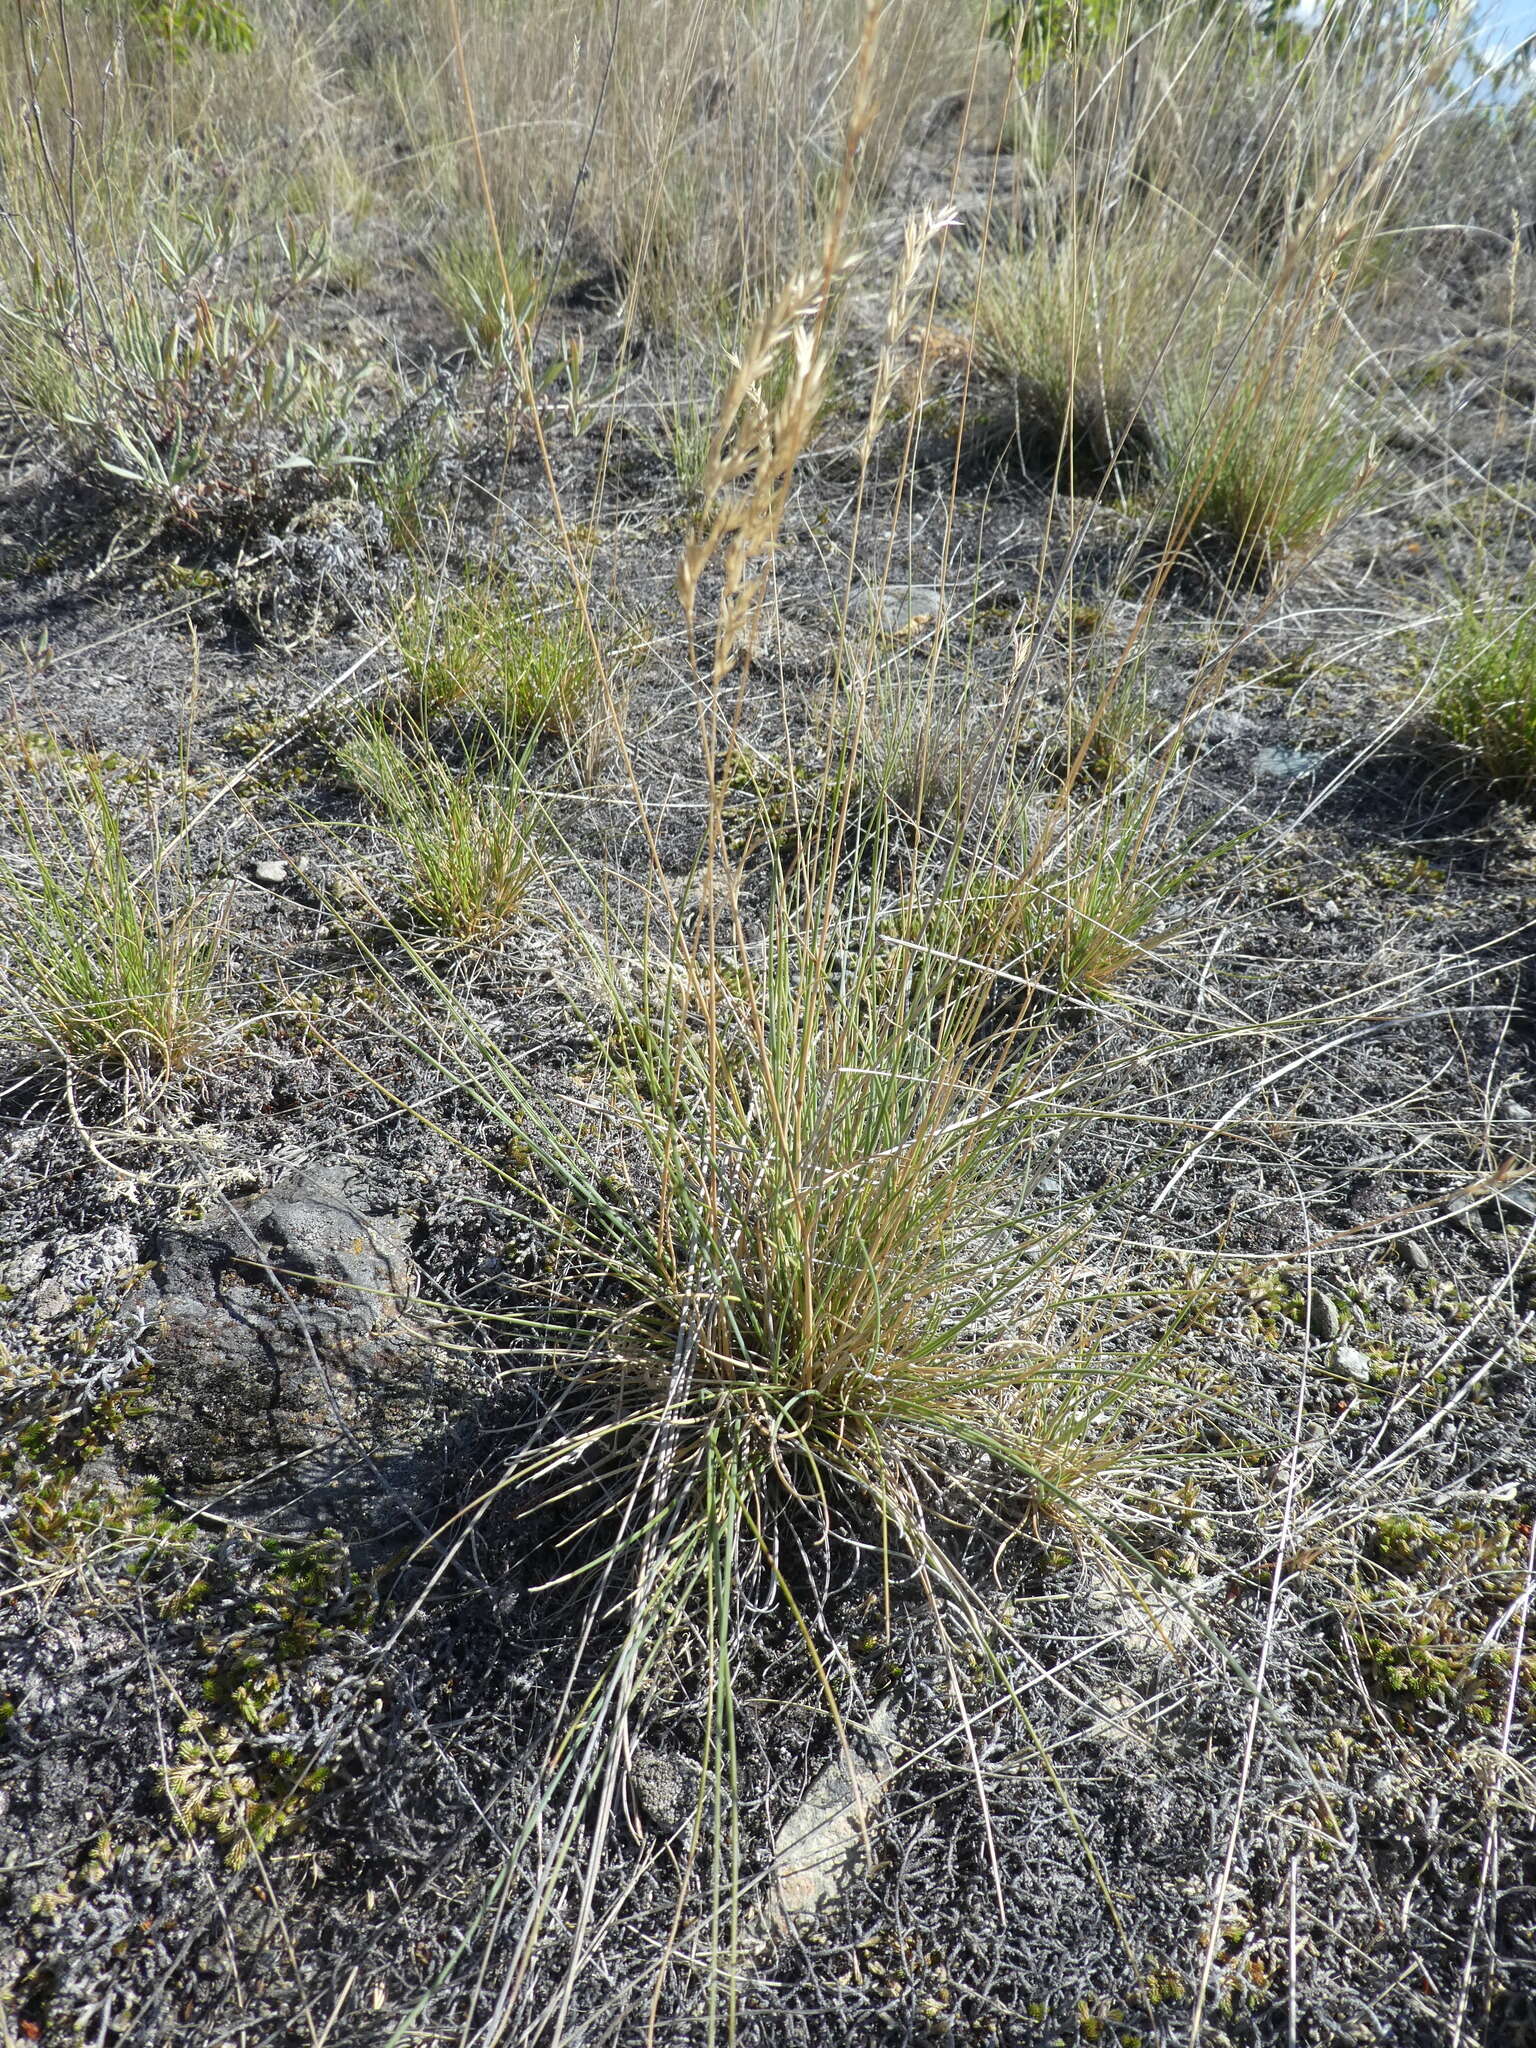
906 761
465 834
685 424
111 966
1485 689
818 1309
522 662
1071 327
1265 460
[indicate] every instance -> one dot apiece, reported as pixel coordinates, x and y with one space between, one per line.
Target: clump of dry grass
690 145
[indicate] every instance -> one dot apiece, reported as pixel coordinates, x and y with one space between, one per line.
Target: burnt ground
264 1745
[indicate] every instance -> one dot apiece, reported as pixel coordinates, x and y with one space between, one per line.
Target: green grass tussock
820 1305
1485 690
466 835
1060 905
111 968
490 290
514 657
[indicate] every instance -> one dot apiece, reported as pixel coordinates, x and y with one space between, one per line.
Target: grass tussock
1185 320
465 835
1059 907
112 965
517 659
1071 327
689 148
489 290
1485 690
819 1309
1267 457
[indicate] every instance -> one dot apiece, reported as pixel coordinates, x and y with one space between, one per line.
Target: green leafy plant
180 24
199 414
1040 31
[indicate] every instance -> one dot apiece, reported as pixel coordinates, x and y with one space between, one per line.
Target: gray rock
1413 1254
1219 725
1510 1208
1284 764
1353 1362
1319 1316
902 609
818 1847
305 1233
276 1332
666 1788
273 872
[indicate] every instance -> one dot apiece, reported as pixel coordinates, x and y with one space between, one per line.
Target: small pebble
1354 1362
1413 1254
274 872
1320 1316
345 886
1284 764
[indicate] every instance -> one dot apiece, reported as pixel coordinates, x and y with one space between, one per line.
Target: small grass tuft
109 967
1265 461
1059 908
517 661
1485 690
465 834
490 292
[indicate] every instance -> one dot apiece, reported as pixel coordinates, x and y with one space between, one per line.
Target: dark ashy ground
267 1737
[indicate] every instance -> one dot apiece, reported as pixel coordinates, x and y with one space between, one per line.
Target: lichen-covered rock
276 1330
